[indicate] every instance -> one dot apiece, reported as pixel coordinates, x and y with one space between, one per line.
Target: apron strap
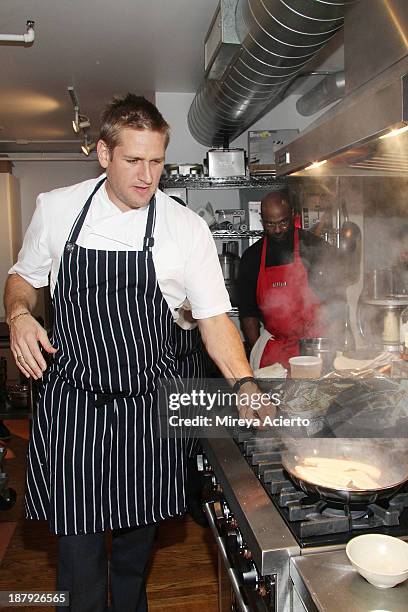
148 241
79 221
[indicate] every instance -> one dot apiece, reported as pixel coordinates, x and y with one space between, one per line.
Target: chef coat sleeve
204 283
247 283
34 259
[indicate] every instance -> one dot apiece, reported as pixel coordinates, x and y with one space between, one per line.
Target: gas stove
279 549
313 521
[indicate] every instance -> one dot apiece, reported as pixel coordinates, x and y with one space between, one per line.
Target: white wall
182 148
39 176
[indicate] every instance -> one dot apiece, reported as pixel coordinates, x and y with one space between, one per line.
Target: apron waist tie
101 399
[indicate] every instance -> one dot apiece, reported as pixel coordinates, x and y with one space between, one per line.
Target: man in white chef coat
120 257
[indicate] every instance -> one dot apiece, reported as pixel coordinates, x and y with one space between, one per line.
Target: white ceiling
102 48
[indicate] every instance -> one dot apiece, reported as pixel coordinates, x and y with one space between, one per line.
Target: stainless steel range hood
347 138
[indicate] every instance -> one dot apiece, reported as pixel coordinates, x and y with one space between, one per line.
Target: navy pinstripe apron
95 464
189 352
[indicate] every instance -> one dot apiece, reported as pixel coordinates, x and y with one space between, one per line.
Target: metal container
223 163
229 262
319 347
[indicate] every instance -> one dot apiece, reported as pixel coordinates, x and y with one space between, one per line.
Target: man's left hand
254 404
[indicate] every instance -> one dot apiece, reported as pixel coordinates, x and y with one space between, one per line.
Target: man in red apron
275 285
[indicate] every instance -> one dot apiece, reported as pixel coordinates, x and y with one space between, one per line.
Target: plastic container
305 367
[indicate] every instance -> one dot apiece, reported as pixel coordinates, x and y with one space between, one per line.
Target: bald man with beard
287 282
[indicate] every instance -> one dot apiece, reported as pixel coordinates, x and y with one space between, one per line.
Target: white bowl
380 559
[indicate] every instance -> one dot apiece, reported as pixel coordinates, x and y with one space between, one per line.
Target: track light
80 122
87 146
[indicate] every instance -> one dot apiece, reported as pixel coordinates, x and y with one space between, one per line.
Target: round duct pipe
278 38
330 89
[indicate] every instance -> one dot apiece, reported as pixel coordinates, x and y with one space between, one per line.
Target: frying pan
390 456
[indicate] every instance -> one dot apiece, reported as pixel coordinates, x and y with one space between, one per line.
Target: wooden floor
182 576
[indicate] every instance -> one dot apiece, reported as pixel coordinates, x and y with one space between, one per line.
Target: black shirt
319 258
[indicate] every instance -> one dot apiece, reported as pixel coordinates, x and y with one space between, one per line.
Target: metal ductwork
329 90
277 39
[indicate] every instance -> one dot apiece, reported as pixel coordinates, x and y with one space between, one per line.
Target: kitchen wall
39 176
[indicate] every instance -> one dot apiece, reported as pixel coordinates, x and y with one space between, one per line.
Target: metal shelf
239 182
224 234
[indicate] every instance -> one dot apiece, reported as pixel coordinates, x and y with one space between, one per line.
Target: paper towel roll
391 327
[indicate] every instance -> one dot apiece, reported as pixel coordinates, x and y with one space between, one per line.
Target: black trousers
83 570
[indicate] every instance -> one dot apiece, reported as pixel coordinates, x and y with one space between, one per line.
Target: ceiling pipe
26 38
329 90
277 40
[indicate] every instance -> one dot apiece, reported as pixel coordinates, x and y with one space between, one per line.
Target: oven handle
231 574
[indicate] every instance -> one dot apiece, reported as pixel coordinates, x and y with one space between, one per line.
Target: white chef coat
184 252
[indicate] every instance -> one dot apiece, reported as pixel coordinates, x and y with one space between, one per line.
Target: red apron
290 309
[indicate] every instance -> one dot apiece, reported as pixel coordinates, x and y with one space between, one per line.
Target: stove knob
248 572
202 463
219 515
233 541
226 511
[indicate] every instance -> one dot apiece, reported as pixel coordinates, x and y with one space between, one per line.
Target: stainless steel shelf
227 234
199 182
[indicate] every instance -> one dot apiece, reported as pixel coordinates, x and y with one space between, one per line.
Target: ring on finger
20 357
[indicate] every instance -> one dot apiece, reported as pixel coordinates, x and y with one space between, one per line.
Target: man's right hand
26 337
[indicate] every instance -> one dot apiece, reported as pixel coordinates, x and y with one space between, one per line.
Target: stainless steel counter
326 582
